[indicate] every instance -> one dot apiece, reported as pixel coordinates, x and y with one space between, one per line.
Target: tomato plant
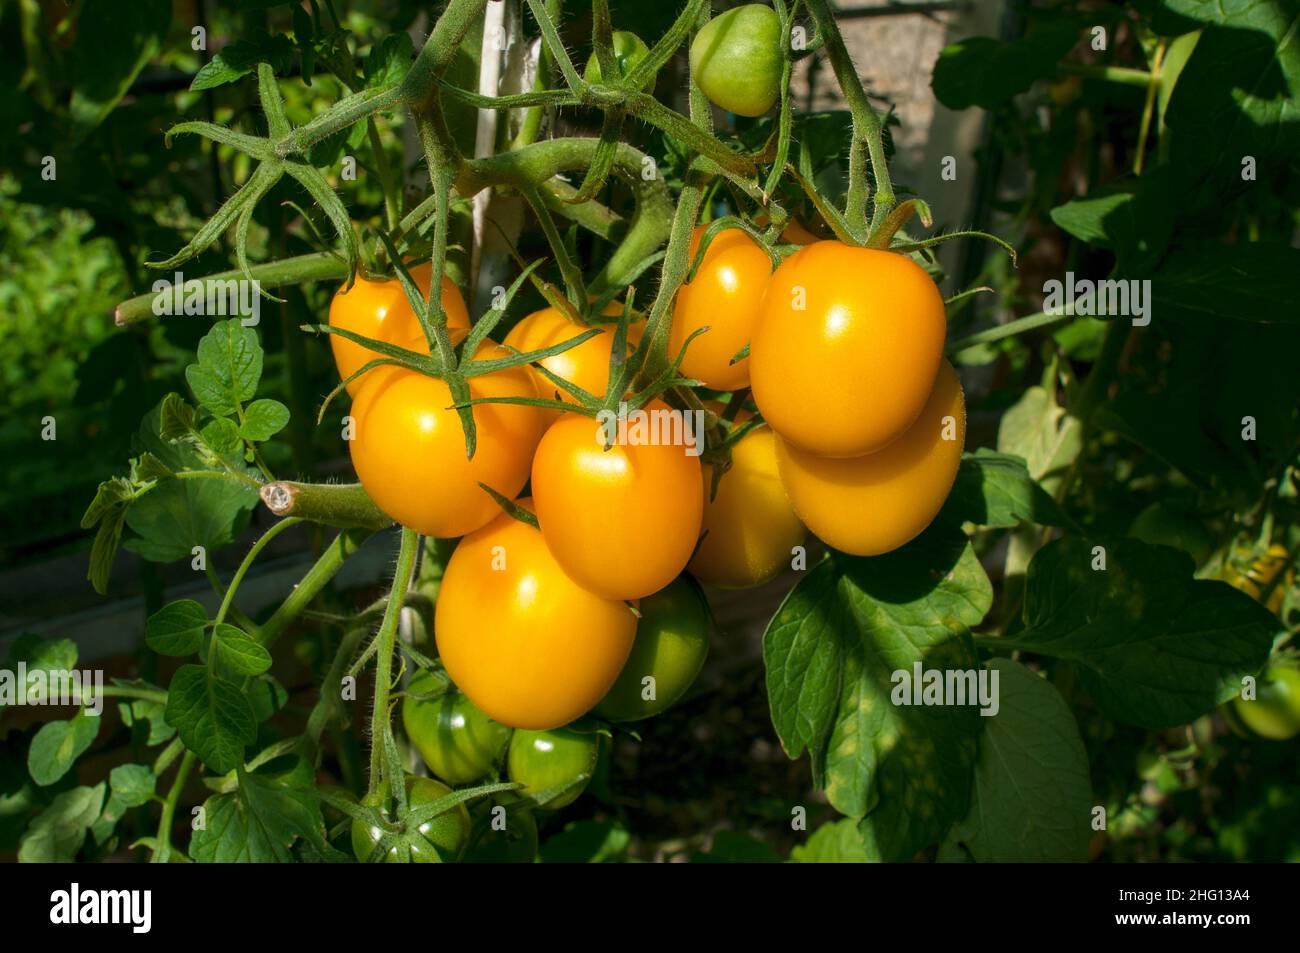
677 452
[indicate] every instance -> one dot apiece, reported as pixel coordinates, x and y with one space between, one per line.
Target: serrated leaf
58 745
995 489
46 656
1031 799
212 717
148 467
238 651
1037 429
241 57
103 550
176 418
57 833
263 419
111 493
389 60
259 822
221 436
1154 646
229 367
146 710
831 652
132 784
177 628
176 516
836 842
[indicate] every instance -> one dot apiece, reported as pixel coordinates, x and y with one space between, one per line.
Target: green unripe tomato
441 838
1165 526
737 59
672 642
1275 712
457 741
629 50
546 760
504 838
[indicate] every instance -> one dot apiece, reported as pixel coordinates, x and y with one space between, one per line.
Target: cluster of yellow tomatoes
865 423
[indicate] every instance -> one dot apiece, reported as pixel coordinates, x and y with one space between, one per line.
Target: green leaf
58 745
114 42
229 367
1235 97
1037 429
132 784
263 419
1245 282
836 842
57 833
176 516
104 550
241 57
1136 224
40 655
735 847
111 493
986 72
1032 797
238 651
212 717
831 653
995 489
587 842
177 628
389 60
145 710
176 418
258 823
1154 646
221 435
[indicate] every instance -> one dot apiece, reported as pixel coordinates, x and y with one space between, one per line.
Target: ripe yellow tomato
408 446
586 365
623 521
750 527
379 310
724 297
846 348
527 644
875 503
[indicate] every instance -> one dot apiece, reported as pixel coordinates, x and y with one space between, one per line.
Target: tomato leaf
242 56
177 628
831 652
57 833
1154 646
835 842
261 820
1244 282
229 367
238 651
982 71
58 745
995 489
114 42
212 716
1032 795
263 419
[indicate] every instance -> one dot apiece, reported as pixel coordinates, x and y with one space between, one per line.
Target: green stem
1111 74
1019 326
386 643
867 126
532 121
163 843
322 571
344 505
257 547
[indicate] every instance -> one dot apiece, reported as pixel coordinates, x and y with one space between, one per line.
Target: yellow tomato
623 521
875 503
408 446
750 527
379 310
724 297
586 365
528 645
846 348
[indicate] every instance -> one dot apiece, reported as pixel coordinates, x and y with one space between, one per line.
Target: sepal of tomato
408 446
440 839
380 310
